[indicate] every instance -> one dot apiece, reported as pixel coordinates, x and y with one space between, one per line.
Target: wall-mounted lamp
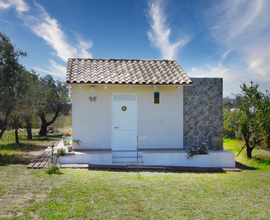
92 99
92 89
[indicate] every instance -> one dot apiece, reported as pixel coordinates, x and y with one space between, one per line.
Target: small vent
124 98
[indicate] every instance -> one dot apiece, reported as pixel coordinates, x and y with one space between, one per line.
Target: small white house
114 101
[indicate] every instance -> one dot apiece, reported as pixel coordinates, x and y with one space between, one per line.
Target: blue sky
229 39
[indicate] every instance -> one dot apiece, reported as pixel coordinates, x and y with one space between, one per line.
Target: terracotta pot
216 142
69 148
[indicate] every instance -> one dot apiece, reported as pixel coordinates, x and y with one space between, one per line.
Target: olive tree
30 102
24 108
252 117
53 99
11 79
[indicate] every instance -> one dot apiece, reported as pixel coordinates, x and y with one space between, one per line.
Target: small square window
156 97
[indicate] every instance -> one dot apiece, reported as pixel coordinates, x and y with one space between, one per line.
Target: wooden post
137 156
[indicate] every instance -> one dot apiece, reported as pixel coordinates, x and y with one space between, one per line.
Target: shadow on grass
22 147
46 138
244 167
262 160
24 152
202 171
23 159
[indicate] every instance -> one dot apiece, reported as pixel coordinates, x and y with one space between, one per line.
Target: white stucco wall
162 124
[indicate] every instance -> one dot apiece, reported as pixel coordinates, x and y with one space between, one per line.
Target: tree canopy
252 117
53 99
24 94
11 79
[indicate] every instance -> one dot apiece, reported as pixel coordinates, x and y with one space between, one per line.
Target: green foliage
61 152
52 100
30 100
251 118
260 158
53 96
24 94
73 142
194 149
53 169
215 132
12 79
33 123
18 87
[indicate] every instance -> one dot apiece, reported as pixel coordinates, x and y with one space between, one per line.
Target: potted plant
69 145
216 140
61 152
67 137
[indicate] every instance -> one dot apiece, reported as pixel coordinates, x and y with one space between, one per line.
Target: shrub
61 152
53 169
201 148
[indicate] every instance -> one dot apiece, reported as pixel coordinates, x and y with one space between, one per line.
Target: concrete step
126 154
128 164
126 159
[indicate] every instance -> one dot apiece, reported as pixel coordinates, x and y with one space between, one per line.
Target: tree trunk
249 149
249 154
43 129
45 124
29 130
16 136
16 125
4 128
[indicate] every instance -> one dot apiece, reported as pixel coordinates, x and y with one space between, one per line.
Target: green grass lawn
26 151
260 158
96 194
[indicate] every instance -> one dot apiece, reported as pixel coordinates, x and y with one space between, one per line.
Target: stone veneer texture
202 110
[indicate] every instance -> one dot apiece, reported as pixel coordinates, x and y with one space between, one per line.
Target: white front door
124 122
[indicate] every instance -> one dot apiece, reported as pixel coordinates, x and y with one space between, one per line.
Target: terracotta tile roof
125 71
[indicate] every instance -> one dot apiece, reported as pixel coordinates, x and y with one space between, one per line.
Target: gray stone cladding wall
202 110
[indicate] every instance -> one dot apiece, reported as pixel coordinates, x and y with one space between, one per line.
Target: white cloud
19 5
258 59
54 69
229 20
49 29
83 46
214 71
231 77
7 22
224 55
5 5
159 35
244 26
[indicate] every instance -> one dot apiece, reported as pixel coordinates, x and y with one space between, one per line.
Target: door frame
112 116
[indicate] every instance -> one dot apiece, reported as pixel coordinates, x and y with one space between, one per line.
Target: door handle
116 127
